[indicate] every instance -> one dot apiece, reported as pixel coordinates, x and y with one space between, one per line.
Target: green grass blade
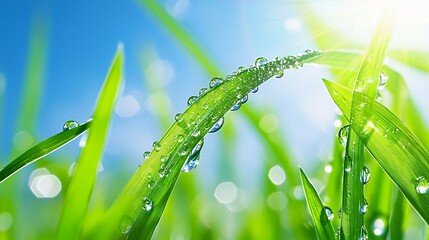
414 58
396 149
150 186
324 228
352 225
83 180
42 149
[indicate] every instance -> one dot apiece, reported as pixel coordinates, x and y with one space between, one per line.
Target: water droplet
180 138
162 171
125 224
191 100
194 157
182 152
422 185
261 61
218 125
151 184
363 234
196 133
70 125
178 117
378 96
329 213
146 155
365 175
163 158
339 213
244 99
280 74
236 106
364 206
157 146
255 90
347 163
343 134
147 204
203 91
383 80
215 82
240 69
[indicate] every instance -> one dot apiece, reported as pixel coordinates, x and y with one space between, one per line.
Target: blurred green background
54 57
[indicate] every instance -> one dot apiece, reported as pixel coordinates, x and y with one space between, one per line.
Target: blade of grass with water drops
139 206
353 201
83 180
395 148
322 215
42 149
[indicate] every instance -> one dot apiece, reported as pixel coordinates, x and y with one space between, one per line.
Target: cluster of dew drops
421 183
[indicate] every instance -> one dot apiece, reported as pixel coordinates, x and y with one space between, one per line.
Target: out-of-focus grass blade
83 180
414 58
42 149
396 149
182 36
324 228
143 199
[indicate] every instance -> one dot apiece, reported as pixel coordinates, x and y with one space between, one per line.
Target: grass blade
417 59
42 149
143 198
83 180
395 148
352 225
324 228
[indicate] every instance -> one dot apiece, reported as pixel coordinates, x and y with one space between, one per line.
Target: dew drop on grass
236 106
191 100
146 155
244 99
147 204
70 125
215 82
125 224
261 61
363 234
364 206
347 163
178 117
157 146
194 157
280 74
163 158
180 138
151 184
383 80
203 91
365 175
329 213
378 96
240 69
343 134
422 185
217 126
255 90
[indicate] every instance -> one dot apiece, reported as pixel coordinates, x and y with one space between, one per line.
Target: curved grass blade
395 148
83 180
324 228
143 198
42 149
414 58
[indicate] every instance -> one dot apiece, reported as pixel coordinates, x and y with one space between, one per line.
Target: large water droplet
363 234
365 175
422 185
125 224
191 100
347 163
364 206
329 213
218 125
215 82
194 157
70 125
383 80
261 61
178 117
157 146
146 155
343 134
203 91
147 204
